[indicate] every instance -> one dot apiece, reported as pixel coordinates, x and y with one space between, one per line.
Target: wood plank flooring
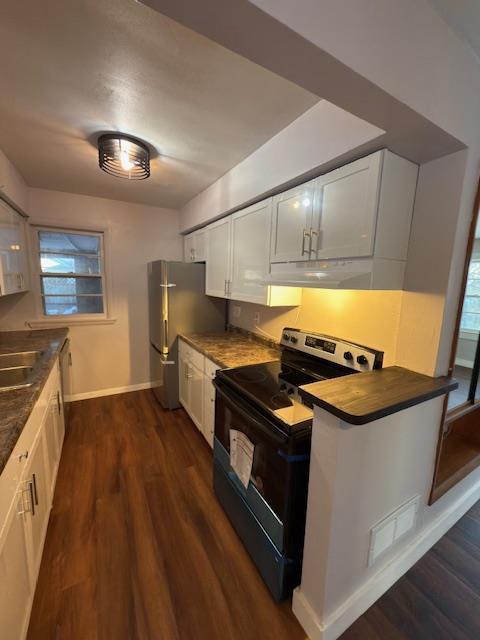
138 548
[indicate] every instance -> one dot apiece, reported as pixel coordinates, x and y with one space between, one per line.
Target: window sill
65 322
467 334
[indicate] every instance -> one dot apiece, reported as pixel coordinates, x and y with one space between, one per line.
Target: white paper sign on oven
241 455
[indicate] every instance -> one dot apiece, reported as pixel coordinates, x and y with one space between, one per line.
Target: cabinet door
218 258
15 584
12 251
250 252
188 248
38 477
183 378
53 429
345 218
195 382
291 222
209 409
200 245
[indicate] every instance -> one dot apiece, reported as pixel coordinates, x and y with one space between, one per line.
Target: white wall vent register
390 529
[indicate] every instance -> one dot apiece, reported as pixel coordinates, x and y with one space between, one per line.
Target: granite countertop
16 405
365 397
230 349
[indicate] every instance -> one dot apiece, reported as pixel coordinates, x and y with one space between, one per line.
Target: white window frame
470 334
74 318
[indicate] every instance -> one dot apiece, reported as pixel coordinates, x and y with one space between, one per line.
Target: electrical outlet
236 311
256 318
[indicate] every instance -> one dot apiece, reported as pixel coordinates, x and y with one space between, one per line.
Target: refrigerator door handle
167 285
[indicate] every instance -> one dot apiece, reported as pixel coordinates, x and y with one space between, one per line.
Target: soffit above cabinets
73 70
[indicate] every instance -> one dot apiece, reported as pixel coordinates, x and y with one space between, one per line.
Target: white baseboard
377 585
107 392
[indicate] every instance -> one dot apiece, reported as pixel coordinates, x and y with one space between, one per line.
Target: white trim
113 391
105 274
468 334
68 321
468 364
371 591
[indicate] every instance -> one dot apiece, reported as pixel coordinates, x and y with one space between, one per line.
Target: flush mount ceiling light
123 156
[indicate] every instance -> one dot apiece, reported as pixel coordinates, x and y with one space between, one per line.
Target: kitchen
292 274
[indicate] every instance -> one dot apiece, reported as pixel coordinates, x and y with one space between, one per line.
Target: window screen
71 272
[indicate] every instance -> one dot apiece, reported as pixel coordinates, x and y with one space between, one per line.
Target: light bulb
127 164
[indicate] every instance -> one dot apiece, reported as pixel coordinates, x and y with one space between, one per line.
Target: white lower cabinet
16 587
196 390
26 491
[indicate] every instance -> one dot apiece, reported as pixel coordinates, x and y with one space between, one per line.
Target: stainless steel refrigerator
177 304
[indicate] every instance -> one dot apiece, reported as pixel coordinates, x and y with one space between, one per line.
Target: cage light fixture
123 156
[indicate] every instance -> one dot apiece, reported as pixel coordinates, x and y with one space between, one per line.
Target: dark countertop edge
359 419
36 393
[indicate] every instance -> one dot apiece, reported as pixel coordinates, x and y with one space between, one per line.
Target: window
471 306
71 271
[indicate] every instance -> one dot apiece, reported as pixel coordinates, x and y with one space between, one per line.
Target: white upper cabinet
250 248
218 258
346 210
358 232
13 254
292 221
238 249
194 246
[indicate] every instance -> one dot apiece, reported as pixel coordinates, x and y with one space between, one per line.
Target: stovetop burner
273 386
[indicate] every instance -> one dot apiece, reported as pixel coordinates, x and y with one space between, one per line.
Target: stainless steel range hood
359 273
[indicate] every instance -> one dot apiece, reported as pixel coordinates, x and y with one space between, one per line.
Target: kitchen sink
21 359
15 378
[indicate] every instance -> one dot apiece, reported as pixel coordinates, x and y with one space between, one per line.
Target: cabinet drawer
191 355
210 368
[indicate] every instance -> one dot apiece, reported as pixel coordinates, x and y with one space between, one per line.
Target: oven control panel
334 350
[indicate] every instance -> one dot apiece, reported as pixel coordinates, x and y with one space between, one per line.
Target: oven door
279 467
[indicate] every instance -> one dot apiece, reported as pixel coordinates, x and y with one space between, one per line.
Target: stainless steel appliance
177 304
265 494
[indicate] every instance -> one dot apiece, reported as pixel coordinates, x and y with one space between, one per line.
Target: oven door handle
274 435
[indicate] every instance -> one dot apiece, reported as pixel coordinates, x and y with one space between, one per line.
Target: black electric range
262 446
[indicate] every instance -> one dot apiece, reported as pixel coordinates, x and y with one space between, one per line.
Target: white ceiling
72 69
463 16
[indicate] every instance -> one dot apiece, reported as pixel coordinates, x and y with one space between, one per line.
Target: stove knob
294 340
286 337
362 360
348 355
290 391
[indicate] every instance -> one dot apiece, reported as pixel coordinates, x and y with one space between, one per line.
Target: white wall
366 317
114 355
358 476
320 135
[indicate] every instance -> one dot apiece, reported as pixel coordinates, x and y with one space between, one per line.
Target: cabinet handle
313 234
22 456
34 480
304 237
32 501
58 403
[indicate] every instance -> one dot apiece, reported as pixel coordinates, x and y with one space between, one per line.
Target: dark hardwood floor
138 548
